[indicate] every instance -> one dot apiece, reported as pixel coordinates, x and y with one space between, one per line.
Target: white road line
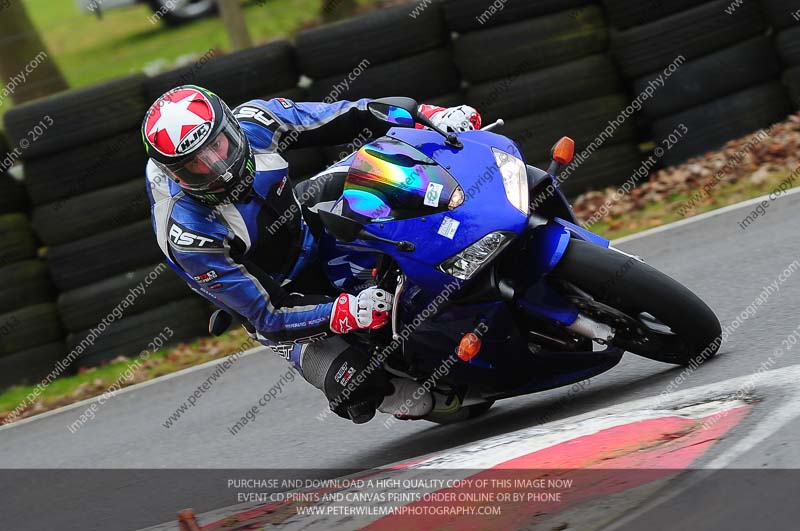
701 217
126 390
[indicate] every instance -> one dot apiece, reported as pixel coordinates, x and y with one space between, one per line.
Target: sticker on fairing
207 277
433 194
449 227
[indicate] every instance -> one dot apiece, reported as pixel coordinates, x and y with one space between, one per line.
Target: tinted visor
209 169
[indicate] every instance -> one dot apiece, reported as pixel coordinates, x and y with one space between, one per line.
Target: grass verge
655 214
122 372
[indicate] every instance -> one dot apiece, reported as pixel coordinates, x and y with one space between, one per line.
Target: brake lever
401 284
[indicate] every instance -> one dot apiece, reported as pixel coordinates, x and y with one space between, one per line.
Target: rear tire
633 287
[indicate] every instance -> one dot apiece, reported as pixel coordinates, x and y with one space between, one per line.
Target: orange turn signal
564 151
469 346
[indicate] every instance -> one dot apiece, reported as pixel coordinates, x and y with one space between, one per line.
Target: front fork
548 243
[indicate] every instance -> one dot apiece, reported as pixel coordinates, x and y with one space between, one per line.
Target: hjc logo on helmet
195 137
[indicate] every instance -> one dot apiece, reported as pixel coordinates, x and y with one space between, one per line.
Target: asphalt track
726 266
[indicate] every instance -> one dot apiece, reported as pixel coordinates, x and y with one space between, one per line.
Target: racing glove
453 120
367 310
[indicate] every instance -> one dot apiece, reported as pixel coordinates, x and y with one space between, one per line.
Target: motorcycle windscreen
391 180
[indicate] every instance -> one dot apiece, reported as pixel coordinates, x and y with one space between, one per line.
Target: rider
228 220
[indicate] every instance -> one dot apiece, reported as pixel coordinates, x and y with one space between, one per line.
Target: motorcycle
498 291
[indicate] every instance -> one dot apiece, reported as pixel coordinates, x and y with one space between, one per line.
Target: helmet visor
209 169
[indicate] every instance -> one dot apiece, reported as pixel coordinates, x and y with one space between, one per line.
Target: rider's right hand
368 310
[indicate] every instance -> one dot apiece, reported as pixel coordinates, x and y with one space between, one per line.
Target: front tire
685 329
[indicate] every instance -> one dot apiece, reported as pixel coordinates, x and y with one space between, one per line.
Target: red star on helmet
175 116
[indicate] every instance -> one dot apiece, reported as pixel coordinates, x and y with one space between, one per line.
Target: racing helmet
193 137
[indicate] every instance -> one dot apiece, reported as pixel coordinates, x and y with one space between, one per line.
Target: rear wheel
653 315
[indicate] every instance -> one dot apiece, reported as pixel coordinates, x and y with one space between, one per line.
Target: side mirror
396 111
405 112
342 228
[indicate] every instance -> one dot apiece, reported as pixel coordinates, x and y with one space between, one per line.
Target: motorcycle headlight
468 262
515 179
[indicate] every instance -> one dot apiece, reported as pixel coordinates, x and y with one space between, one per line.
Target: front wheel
653 315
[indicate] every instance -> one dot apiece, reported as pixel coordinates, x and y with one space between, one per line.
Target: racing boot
408 400
353 388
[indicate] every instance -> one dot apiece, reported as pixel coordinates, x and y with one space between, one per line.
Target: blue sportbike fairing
412 186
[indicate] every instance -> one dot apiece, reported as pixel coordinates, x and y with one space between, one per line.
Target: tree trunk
233 19
338 9
27 71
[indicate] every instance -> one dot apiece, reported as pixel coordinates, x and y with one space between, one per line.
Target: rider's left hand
368 310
